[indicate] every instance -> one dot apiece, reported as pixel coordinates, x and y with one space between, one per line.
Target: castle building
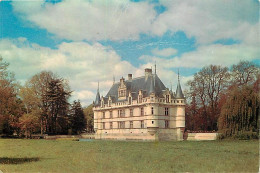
140 108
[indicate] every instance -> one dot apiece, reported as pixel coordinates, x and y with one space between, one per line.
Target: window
167 99
104 115
131 112
177 101
122 93
142 124
121 124
104 127
121 113
111 125
129 100
152 122
140 99
118 113
166 124
111 114
152 110
142 111
131 125
167 111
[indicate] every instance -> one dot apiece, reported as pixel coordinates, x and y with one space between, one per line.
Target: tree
33 93
29 123
244 73
56 99
205 90
48 95
78 122
10 105
89 115
240 112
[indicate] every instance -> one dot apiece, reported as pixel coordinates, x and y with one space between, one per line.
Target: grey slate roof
152 87
97 101
179 94
150 84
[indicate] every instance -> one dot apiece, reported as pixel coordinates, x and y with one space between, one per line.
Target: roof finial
155 68
113 79
178 75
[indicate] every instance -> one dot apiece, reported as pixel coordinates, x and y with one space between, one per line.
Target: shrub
221 136
246 135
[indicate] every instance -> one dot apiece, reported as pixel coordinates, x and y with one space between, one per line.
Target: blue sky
90 41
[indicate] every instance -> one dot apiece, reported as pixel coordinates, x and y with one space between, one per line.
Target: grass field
17 155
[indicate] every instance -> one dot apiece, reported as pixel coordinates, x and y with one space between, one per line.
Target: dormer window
122 89
140 96
129 100
167 98
102 103
122 93
109 103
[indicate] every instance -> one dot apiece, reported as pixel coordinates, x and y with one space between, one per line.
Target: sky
90 41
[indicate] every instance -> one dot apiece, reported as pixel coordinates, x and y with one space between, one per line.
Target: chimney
130 77
147 72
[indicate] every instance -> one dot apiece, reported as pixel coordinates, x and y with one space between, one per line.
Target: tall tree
48 95
33 94
244 73
240 112
10 105
56 99
89 115
78 122
206 88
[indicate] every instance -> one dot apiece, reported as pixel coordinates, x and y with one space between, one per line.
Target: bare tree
206 88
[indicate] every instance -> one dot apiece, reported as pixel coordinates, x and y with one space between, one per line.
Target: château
140 108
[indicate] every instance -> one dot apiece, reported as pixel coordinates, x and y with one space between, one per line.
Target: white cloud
91 20
81 63
216 54
209 20
164 52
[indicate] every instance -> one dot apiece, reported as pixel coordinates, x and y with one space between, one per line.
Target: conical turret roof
97 101
179 94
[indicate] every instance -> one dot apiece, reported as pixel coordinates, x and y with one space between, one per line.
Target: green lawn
21 155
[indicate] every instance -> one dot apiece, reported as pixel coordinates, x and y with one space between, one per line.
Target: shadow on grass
10 160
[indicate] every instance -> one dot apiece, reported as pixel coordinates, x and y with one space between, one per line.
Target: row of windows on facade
121 124
140 100
121 112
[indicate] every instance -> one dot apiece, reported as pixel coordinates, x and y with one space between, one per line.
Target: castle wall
138 134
